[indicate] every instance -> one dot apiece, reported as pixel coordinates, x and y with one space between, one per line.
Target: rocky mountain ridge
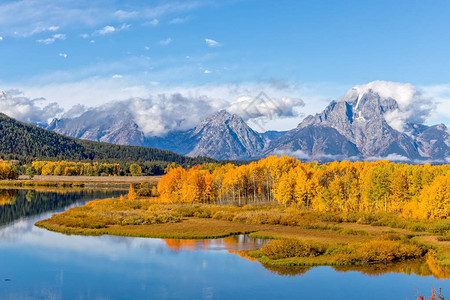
356 126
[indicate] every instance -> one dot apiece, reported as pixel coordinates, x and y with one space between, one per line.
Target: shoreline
79 181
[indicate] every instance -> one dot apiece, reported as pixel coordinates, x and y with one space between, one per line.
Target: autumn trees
435 198
7 170
187 186
417 191
67 168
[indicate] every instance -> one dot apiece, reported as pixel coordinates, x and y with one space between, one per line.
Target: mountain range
357 126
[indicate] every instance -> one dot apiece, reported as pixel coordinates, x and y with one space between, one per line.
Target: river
39 264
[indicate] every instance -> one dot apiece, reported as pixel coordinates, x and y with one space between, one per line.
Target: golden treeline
67 168
413 191
7 170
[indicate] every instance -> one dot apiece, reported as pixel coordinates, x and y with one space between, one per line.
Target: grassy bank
80 181
38 184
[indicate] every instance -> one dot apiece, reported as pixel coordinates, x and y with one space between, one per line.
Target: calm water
38 264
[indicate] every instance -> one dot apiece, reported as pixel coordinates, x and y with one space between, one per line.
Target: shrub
331 217
417 227
377 251
285 248
223 215
440 228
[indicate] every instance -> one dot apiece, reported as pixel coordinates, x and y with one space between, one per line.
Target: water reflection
429 266
18 203
241 245
231 243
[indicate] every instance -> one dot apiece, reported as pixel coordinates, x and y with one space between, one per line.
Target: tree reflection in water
18 203
241 244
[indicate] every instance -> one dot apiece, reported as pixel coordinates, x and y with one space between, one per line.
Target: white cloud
299 154
111 29
67 89
160 114
262 106
14 104
414 106
92 41
125 15
153 22
180 20
304 156
390 157
40 29
207 72
75 111
106 30
51 40
28 17
117 76
84 35
124 26
441 94
212 43
64 55
166 41
1 38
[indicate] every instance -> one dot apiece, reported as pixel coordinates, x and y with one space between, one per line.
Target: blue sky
92 52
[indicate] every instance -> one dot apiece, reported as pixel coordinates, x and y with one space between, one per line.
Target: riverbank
326 242
79 181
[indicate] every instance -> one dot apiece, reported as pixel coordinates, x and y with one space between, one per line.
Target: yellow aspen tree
435 198
132 193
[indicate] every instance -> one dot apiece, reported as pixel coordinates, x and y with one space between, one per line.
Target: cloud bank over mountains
162 112
155 115
33 111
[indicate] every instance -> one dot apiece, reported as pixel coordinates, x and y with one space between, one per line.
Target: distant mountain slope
220 136
224 136
102 124
432 141
315 142
27 142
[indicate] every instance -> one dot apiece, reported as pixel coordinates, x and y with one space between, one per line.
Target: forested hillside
26 143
